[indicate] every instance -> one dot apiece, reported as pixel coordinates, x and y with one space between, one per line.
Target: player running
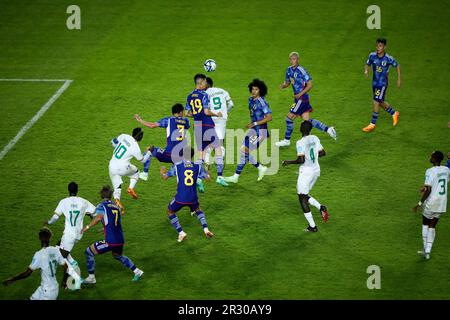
187 173
125 148
433 201
110 216
176 127
309 150
301 84
47 259
380 62
74 209
197 106
260 115
219 100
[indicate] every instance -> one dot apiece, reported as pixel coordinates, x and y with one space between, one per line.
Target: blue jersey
111 219
198 102
259 108
187 173
380 68
176 128
298 77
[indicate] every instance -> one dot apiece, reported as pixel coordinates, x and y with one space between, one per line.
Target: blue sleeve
287 78
187 106
205 102
100 209
187 126
448 163
369 60
393 62
202 174
164 122
306 76
171 172
265 108
114 142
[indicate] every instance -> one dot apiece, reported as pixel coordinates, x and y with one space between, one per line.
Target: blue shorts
379 93
176 206
102 247
300 107
163 156
253 139
206 136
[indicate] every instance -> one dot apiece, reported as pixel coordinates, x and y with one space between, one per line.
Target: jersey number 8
189 177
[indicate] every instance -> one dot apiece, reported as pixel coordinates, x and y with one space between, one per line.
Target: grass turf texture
136 57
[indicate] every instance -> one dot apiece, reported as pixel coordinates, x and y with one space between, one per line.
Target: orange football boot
395 118
132 193
120 205
369 128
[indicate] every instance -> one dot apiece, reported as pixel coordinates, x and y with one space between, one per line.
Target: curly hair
260 85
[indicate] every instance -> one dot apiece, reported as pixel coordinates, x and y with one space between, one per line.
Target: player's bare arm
20 276
96 220
366 71
399 81
146 123
285 84
307 88
300 160
266 119
208 112
425 190
163 173
322 153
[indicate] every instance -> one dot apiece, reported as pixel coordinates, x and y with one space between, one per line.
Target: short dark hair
209 81
45 234
106 192
438 156
199 76
177 108
73 188
138 134
306 127
260 85
382 40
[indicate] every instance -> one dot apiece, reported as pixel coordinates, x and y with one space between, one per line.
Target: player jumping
309 150
380 62
125 148
301 84
433 201
260 115
176 127
187 173
110 216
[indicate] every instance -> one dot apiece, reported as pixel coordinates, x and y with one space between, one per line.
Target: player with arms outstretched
260 115
176 127
433 201
109 214
47 259
74 209
380 62
125 148
309 149
301 84
187 173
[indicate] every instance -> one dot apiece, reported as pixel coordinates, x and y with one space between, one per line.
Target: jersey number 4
196 105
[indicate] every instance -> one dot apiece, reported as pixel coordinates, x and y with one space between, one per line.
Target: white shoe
137 275
421 253
234 178
181 236
208 233
143 176
261 172
332 132
208 157
221 181
283 143
427 256
90 280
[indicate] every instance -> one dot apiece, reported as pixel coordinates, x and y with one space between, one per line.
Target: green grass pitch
140 56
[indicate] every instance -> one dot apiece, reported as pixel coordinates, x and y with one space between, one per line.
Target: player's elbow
322 153
269 117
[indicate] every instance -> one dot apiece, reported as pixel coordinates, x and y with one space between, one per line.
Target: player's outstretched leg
287 135
372 124
219 165
392 112
133 180
303 198
323 210
202 218
177 226
90 262
130 265
322 127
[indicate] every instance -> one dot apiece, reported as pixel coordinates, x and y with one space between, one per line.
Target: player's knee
64 253
116 256
88 252
289 120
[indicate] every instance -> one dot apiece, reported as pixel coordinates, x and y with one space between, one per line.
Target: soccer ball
209 65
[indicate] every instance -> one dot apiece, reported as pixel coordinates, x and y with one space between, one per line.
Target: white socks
71 271
314 202
424 235
133 183
310 219
430 239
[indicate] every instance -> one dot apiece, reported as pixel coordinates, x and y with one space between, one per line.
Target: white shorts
221 126
117 172
68 241
45 294
431 215
306 180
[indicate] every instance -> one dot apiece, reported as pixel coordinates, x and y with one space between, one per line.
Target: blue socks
319 125
201 217
390 110
289 128
90 261
374 117
126 262
219 165
175 223
245 157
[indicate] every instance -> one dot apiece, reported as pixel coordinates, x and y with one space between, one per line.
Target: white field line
38 115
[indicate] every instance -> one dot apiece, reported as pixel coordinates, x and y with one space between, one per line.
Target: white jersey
437 178
47 259
219 101
126 148
309 147
74 209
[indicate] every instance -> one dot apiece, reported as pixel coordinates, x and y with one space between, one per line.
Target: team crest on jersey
383 63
